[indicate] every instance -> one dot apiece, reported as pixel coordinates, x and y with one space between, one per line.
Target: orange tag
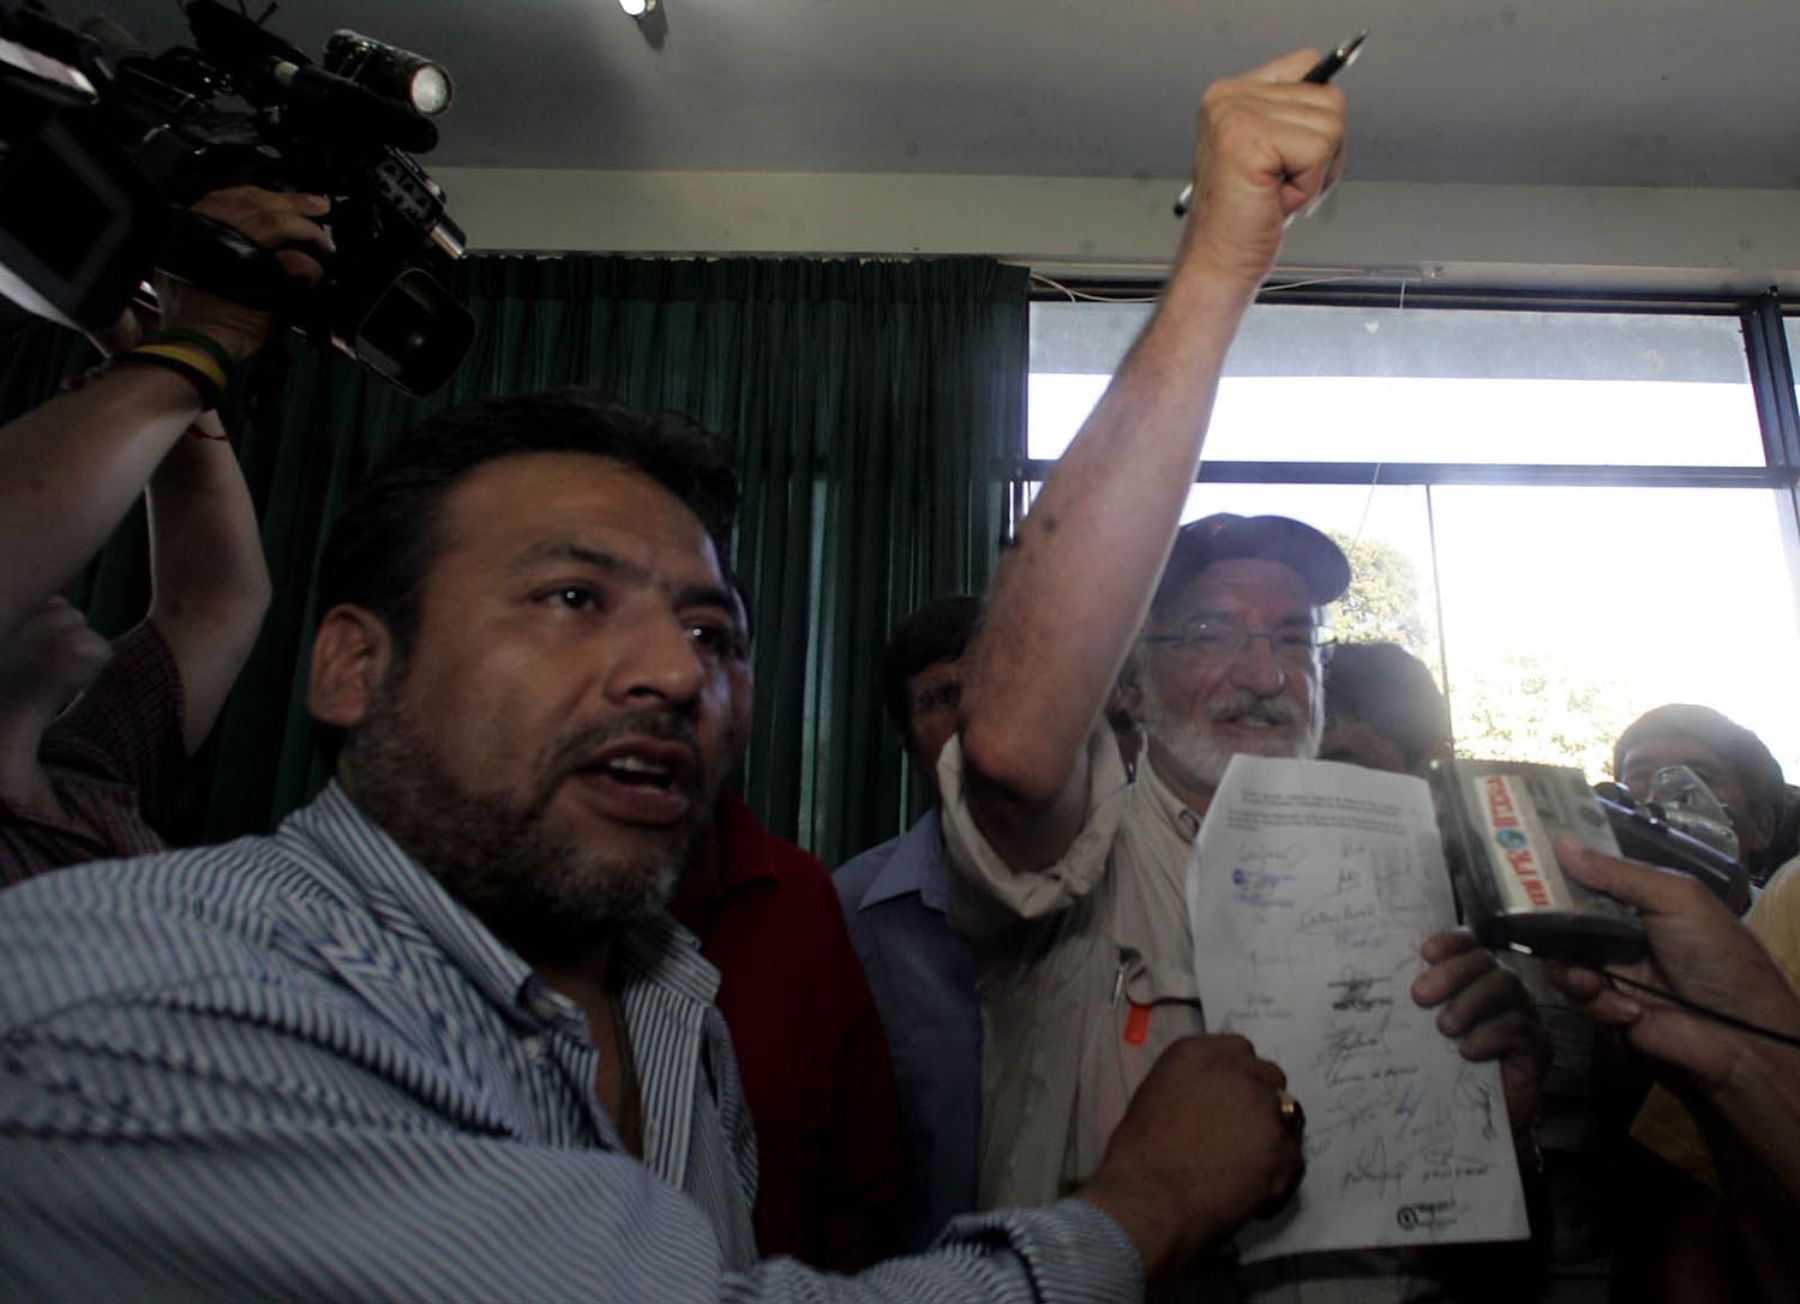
1137 1025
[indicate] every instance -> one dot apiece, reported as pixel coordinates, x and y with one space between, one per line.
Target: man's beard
1195 746
553 900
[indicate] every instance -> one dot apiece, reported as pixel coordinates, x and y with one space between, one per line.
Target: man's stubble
551 898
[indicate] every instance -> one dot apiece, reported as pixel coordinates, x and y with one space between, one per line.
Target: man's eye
1209 636
574 597
1298 642
719 642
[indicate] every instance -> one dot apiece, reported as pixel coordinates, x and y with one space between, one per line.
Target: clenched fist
1203 1147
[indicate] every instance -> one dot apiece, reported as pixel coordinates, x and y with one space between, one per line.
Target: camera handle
221 260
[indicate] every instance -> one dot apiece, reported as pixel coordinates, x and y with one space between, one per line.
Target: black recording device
103 146
1643 832
1500 819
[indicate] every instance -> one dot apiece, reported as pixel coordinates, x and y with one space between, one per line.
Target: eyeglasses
1212 640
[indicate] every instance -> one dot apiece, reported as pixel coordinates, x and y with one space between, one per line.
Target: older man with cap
1082 940
1067 879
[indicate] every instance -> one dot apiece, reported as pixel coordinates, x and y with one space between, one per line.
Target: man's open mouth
638 771
1256 720
642 780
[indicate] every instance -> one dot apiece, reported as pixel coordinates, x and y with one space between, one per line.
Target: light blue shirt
923 978
295 1068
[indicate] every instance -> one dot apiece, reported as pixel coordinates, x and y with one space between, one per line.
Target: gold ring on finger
1293 1117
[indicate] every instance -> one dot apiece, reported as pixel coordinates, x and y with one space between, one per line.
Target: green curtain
877 407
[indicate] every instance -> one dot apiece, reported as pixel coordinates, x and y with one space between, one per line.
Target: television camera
103 146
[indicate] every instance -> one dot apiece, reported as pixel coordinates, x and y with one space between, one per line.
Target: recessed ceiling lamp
637 8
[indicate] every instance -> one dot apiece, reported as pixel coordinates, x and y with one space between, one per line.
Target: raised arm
71 469
1069 598
210 585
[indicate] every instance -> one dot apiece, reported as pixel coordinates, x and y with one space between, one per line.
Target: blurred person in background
1383 710
922 973
1742 773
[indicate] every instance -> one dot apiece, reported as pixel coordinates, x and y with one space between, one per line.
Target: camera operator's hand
1699 951
1487 1009
1202 1148
274 221
1270 145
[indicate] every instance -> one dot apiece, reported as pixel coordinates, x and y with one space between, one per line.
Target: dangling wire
1703 1011
1375 480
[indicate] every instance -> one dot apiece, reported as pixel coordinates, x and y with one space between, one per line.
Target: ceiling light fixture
637 8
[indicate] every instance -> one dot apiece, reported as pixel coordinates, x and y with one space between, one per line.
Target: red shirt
809 1044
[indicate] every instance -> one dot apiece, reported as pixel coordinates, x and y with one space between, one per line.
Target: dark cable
1703 1011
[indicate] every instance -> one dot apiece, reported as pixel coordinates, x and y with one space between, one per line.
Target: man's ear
351 655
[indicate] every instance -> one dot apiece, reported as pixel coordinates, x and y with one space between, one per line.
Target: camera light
421 83
637 8
429 90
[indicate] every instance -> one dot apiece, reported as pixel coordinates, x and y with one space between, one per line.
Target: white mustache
1281 712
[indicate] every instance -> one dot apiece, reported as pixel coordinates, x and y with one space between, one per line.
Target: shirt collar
399 888
667 954
1162 799
917 866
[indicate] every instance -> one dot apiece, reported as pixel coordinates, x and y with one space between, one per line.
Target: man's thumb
1642 886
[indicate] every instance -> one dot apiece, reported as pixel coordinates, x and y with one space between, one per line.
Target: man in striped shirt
436 1037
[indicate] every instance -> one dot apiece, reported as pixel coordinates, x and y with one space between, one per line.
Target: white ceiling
1558 92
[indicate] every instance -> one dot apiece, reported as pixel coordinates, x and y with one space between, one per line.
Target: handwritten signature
1349 1053
1357 992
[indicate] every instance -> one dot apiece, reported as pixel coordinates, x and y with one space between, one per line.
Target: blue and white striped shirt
294 1067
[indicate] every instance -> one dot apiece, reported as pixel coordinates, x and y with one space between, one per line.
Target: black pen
1320 73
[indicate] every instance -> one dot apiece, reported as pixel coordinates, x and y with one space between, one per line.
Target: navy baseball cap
1225 536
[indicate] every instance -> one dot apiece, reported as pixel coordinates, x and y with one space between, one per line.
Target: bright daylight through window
1489 515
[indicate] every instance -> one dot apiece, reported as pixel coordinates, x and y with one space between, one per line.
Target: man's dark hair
937 631
1756 767
1390 690
382 546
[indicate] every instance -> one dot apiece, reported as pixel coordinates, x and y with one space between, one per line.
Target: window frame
1760 322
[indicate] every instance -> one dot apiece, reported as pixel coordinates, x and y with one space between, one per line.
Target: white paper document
1311 887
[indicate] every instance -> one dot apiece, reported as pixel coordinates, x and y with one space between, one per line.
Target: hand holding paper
1312 888
1487 1009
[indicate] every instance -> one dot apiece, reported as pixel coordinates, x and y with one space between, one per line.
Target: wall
1589 237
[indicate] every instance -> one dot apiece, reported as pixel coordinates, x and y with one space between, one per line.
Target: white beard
1195 746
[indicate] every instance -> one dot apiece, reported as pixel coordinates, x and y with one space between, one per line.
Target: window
1570 513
